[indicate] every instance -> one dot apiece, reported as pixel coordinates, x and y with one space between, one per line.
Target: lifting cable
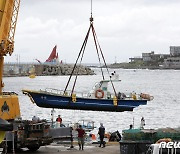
85 41
83 48
95 41
81 53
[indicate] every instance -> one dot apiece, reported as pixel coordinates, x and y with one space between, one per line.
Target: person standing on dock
142 123
101 133
81 134
58 121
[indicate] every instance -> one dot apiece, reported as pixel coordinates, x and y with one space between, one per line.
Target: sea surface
163 111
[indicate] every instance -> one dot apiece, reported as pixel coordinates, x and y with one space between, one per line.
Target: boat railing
126 96
54 91
67 93
82 94
130 96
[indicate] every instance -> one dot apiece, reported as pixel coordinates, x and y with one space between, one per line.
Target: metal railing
128 96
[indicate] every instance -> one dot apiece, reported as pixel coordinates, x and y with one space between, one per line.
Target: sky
125 28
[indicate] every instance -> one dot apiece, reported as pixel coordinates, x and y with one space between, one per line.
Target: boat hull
49 100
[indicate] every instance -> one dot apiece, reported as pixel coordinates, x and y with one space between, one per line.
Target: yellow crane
9 104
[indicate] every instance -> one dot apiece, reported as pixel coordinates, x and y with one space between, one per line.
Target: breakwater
11 69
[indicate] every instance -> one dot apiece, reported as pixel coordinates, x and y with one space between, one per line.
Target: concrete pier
65 149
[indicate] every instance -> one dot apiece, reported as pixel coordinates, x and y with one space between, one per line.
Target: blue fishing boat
98 99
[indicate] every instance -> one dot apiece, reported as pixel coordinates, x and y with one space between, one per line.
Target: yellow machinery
9 104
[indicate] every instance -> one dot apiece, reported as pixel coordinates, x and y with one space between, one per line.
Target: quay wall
11 69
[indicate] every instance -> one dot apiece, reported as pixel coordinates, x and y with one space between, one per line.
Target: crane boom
9 104
8 18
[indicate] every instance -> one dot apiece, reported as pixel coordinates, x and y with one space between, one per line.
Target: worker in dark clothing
101 135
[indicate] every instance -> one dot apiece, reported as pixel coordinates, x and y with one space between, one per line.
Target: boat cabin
100 90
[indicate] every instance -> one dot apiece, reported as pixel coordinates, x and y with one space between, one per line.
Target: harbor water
163 111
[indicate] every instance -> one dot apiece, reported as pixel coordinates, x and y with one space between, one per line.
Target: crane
9 104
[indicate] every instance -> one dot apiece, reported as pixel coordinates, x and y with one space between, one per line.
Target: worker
142 123
101 133
35 119
130 126
58 121
81 135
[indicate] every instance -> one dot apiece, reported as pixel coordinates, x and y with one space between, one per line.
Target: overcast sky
125 28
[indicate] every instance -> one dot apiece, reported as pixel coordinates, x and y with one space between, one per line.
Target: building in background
164 61
175 51
172 63
151 56
136 59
